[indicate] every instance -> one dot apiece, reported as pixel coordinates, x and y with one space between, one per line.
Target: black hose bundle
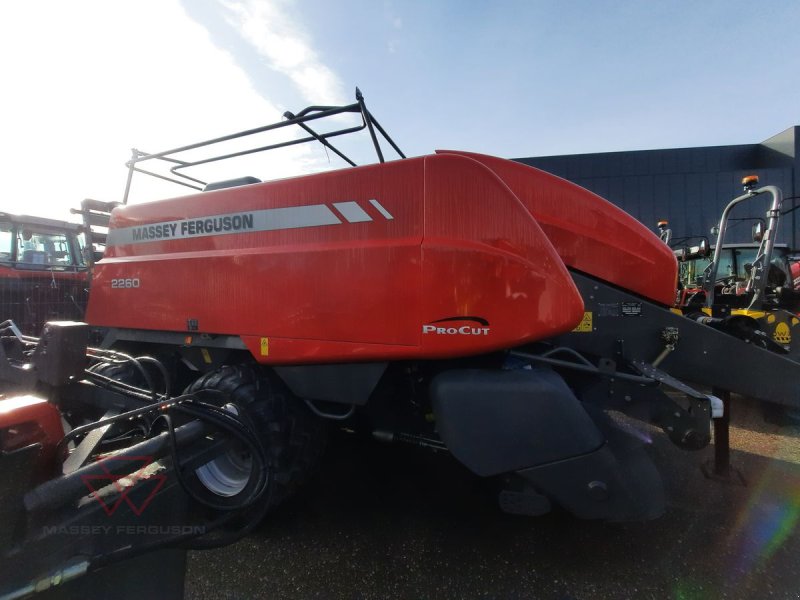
165 408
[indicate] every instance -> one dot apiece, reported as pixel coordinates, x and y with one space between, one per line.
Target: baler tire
122 372
294 439
127 373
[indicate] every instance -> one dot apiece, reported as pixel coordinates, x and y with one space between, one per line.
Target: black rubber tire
294 439
123 372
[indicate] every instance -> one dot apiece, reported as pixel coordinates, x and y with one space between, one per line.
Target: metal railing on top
301 120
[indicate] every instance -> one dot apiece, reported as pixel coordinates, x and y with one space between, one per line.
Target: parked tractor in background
748 289
734 270
43 271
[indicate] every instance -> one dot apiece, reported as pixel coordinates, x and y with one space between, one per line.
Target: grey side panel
346 383
229 183
171 338
500 421
612 484
627 327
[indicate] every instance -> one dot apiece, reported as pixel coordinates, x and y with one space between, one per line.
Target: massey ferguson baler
454 301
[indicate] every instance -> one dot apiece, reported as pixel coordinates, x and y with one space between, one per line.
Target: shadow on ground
396 522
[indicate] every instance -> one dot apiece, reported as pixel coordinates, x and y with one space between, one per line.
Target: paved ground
399 523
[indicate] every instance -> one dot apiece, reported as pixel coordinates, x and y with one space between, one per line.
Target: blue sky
533 78
86 81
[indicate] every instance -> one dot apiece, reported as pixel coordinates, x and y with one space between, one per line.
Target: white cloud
85 81
286 47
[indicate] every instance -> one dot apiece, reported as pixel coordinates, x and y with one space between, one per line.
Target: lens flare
768 518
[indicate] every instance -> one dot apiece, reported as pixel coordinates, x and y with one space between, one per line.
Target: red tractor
752 285
455 301
43 270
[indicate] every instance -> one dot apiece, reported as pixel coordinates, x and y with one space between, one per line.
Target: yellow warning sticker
206 356
585 326
264 346
782 334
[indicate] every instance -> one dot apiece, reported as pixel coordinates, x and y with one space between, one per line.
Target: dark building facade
690 186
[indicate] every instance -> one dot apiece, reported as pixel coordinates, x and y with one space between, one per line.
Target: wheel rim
228 474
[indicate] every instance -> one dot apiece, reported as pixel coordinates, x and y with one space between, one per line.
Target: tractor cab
755 275
763 282
45 264
43 271
745 289
735 268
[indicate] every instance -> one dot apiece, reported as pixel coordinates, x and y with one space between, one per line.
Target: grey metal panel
709 212
684 160
677 201
687 186
784 142
694 213
584 169
614 163
615 191
571 164
655 162
670 161
700 159
661 200
642 162
599 186
631 195
646 205
737 366
628 163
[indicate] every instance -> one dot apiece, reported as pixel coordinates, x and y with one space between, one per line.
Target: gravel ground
389 522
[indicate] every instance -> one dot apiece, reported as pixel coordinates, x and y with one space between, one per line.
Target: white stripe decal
271 219
352 212
382 210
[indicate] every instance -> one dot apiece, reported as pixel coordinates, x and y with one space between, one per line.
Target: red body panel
26 420
421 258
589 233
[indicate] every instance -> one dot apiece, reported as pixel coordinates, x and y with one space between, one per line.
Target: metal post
722 445
131 165
368 119
720 467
